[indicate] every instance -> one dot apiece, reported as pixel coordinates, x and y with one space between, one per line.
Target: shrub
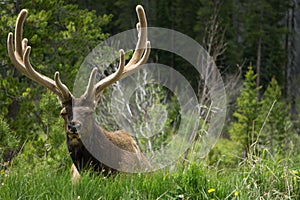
8 143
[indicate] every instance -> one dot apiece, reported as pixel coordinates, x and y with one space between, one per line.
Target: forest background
255 45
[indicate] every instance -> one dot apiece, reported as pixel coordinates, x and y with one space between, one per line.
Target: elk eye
63 112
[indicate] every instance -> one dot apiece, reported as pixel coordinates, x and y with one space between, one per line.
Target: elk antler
19 56
139 57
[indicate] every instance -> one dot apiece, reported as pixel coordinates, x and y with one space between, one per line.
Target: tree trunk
290 68
258 62
294 53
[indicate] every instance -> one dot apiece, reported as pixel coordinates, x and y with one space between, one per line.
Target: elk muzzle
74 127
73 134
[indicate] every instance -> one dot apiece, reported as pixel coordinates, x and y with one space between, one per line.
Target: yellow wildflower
295 172
211 190
236 193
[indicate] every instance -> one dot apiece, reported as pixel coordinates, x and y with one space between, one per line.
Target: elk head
78 112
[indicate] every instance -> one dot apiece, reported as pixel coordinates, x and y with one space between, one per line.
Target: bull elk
112 151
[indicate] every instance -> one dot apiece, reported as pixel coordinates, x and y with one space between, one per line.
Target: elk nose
74 127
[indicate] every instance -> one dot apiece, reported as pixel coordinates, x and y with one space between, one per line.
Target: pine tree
244 130
275 133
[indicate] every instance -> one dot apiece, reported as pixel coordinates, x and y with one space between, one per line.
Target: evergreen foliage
276 133
246 127
261 123
9 143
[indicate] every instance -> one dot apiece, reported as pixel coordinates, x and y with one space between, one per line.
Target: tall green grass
254 178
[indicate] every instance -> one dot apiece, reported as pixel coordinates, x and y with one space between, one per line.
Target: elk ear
90 89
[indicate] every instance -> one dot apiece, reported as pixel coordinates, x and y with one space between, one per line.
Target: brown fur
82 113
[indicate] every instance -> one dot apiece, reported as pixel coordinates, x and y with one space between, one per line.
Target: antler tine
139 57
142 36
142 49
129 69
90 89
24 44
111 78
19 54
14 56
65 93
19 32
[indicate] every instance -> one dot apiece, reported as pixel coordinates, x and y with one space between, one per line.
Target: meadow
253 178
